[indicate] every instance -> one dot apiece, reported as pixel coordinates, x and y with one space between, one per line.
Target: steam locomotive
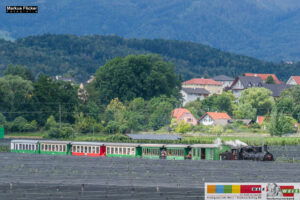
256 153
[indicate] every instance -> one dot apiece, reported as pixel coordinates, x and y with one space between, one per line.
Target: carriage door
203 154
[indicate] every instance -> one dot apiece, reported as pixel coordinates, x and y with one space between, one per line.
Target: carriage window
85 149
56 148
90 150
116 150
74 148
112 150
43 147
97 150
81 149
37 147
124 151
60 148
120 150
93 150
30 147
108 150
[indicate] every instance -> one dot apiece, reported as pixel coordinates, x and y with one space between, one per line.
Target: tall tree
19 70
270 80
134 76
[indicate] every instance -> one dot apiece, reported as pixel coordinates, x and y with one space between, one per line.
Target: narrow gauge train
99 149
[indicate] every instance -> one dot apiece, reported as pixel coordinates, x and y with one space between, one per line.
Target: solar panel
154 137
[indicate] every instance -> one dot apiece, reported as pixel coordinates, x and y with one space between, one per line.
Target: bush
2 119
183 127
51 123
17 125
118 138
65 132
32 126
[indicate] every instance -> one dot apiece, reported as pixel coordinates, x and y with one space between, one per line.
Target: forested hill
80 56
264 29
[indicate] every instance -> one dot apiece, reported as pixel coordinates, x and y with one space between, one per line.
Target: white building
192 94
214 118
293 80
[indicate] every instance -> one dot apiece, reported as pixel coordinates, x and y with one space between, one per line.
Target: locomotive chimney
265 148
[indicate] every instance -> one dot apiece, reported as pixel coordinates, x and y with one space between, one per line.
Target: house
264 77
276 89
212 86
293 80
225 80
185 115
243 82
65 79
260 119
215 118
192 94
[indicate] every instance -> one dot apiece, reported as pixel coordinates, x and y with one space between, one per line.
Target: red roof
217 115
178 112
201 81
264 76
260 119
296 79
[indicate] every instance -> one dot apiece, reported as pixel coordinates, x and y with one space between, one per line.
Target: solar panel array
154 137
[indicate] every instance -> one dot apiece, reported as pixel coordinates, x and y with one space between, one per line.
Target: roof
264 76
216 115
154 137
296 79
248 81
88 143
276 89
152 145
205 146
25 141
176 146
195 91
201 81
223 78
122 144
260 119
178 112
54 142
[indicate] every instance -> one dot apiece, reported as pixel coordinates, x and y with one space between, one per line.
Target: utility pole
59 116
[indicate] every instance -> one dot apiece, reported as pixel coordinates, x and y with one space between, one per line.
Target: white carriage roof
176 146
25 141
88 143
152 145
123 144
205 146
54 142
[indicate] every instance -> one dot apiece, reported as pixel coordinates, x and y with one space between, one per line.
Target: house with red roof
260 119
185 115
264 76
293 80
215 118
210 85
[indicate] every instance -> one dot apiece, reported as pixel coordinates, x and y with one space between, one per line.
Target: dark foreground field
27 176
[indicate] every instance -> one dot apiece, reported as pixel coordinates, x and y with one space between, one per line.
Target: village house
293 80
243 82
264 77
185 115
212 86
65 79
215 118
225 80
192 94
276 89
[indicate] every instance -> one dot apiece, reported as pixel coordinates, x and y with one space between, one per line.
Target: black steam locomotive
248 153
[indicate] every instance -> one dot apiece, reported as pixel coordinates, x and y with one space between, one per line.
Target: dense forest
264 29
80 56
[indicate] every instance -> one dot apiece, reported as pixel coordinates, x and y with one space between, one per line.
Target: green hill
264 29
80 56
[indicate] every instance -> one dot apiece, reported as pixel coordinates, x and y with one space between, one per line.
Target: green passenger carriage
152 150
177 151
24 146
55 147
208 151
129 150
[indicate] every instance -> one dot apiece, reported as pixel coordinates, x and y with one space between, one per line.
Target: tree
15 94
259 98
2 119
245 111
281 123
161 115
49 95
134 76
270 80
289 102
19 70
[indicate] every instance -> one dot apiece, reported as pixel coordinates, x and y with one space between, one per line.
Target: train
256 153
134 150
